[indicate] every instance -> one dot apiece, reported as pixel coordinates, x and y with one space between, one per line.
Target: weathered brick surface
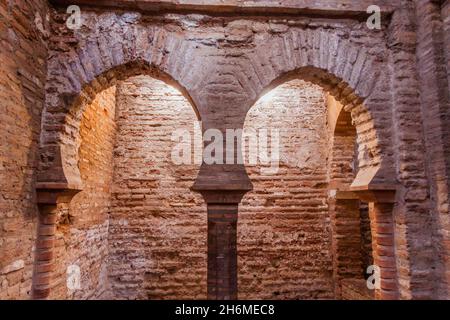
445 15
284 228
23 55
435 101
356 290
158 226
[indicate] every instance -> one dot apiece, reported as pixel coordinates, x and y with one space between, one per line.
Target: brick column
48 200
222 242
43 260
383 244
222 251
223 185
381 201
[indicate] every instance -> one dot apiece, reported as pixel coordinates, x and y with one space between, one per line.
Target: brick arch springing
60 141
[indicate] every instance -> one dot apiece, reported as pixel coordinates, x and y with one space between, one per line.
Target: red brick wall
284 233
83 227
434 87
445 12
23 56
158 227
284 225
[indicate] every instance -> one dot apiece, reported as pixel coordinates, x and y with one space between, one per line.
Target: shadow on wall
22 79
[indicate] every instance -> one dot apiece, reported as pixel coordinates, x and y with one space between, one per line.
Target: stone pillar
48 200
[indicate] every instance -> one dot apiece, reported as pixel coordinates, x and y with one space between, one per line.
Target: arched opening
351 231
135 230
294 239
158 226
82 227
60 141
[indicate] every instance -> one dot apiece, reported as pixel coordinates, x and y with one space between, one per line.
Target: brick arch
345 70
60 138
354 78
351 239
